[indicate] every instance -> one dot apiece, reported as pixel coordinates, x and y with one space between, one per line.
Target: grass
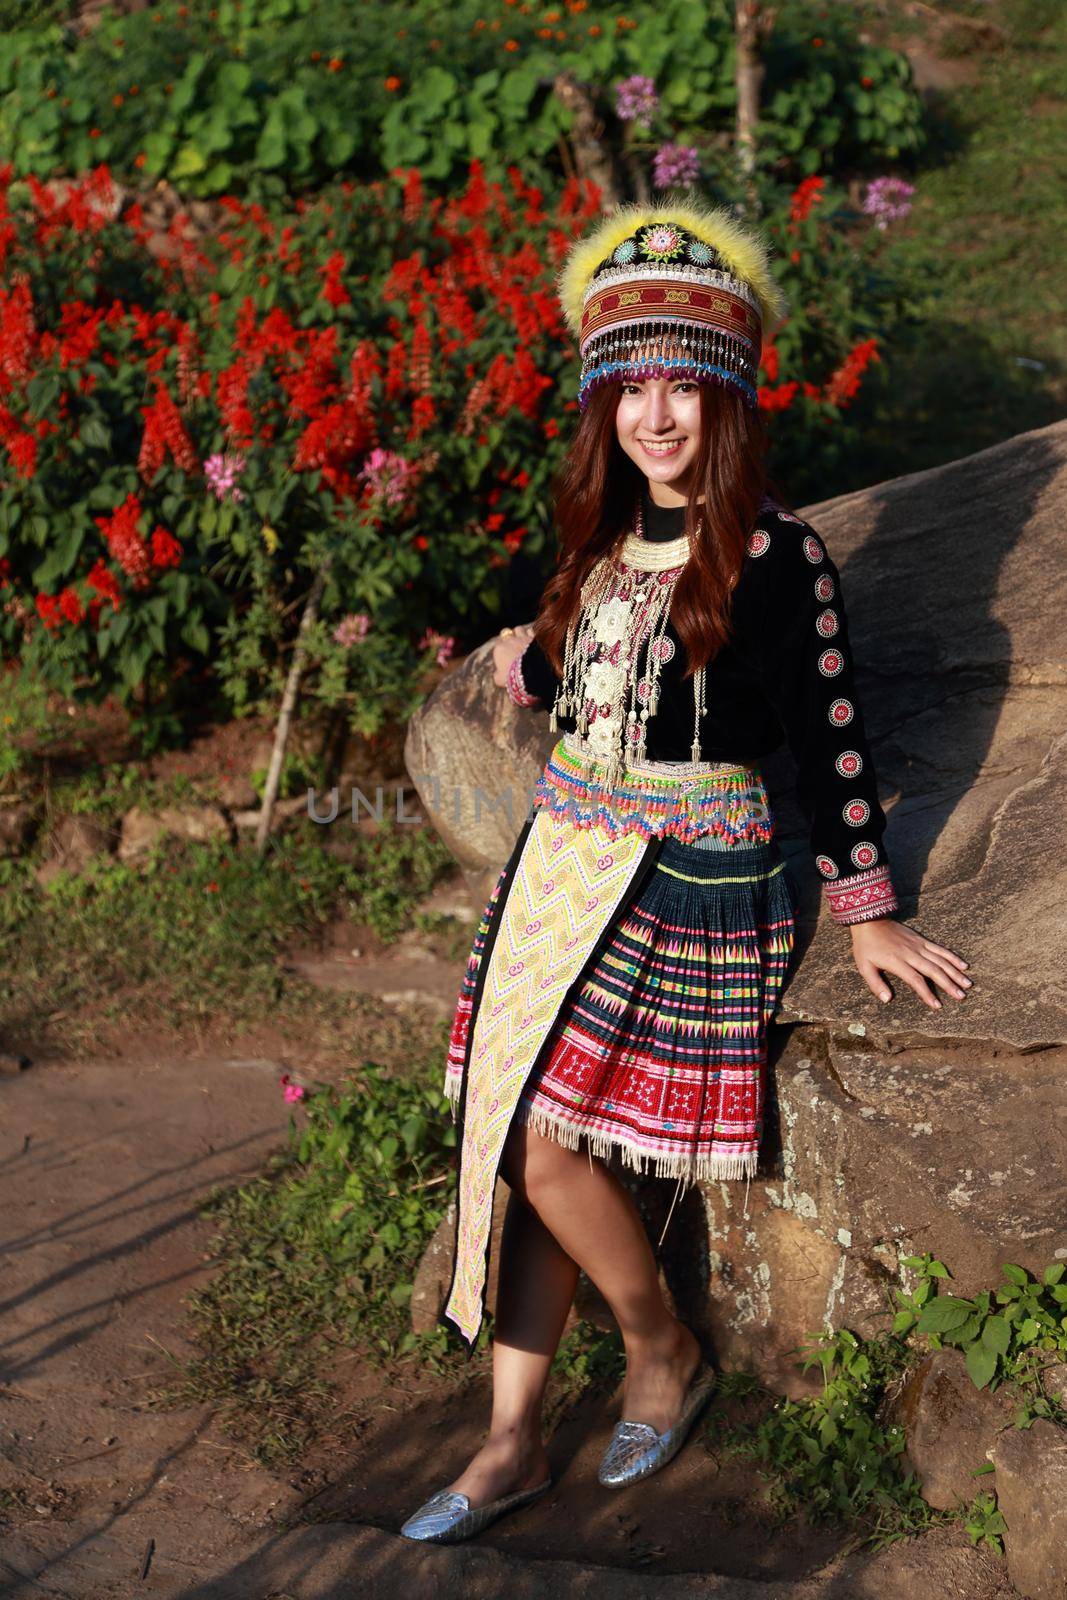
196 931
983 354
316 1257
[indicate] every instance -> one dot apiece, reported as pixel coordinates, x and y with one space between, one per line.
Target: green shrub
290 93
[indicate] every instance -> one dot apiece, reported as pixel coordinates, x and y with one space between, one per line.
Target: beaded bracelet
517 690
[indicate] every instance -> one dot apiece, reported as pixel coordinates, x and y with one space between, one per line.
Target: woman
623 975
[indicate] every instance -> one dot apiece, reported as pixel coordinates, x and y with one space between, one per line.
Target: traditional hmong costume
631 954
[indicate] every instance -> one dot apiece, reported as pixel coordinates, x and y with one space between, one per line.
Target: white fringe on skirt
709 1166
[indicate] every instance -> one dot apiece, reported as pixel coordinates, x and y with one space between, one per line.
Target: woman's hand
884 946
506 649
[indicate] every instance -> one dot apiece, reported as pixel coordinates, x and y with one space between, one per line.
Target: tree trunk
749 24
592 154
288 705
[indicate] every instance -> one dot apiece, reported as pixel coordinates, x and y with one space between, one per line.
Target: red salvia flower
805 195
104 583
166 551
164 434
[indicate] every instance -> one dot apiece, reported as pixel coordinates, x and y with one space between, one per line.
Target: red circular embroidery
824 587
826 622
759 543
813 550
831 662
604 862
664 649
841 712
864 854
849 763
856 813
827 866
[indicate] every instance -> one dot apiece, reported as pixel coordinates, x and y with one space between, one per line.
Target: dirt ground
103 1164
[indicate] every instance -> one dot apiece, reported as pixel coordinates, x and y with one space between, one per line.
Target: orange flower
868 83
817 43
509 44
435 44
561 33
94 133
316 55
117 99
135 88
595 30
392 84
335 63
479 25
544 33
140 160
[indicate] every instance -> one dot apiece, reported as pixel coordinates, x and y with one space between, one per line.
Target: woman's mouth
667 447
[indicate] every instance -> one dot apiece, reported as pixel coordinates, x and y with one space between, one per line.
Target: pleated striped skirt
658 1054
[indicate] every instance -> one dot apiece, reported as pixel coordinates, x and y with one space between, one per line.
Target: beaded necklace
623 614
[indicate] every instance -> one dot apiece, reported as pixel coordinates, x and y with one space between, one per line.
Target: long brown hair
596 490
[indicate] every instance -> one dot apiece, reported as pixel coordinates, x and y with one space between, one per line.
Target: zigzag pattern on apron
568 884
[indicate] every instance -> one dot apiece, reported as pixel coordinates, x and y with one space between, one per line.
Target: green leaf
188 162
981 1364
996 1335
1055 1272
95 432
944 1314
1015 1274
42 392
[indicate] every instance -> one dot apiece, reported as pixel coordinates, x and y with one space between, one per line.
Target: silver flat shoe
636 1450
448 1517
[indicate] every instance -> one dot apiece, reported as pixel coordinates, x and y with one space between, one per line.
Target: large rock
1031 1481
872 1157
950 1426
954 580
474 758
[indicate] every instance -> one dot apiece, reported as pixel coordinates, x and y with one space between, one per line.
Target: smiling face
658 425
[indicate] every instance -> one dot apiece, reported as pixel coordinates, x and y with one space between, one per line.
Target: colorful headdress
673 290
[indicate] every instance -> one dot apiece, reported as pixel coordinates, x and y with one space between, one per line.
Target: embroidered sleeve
536 675
810 681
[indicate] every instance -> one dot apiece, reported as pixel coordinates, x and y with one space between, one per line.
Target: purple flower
222 473
887 200
388 476
636 100
351 629
675 165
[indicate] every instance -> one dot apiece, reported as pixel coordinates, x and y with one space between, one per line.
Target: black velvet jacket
787 672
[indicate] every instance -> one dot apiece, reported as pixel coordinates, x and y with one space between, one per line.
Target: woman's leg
534 1294
594 1219
566 1212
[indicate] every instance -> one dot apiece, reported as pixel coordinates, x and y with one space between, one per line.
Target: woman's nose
658 414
